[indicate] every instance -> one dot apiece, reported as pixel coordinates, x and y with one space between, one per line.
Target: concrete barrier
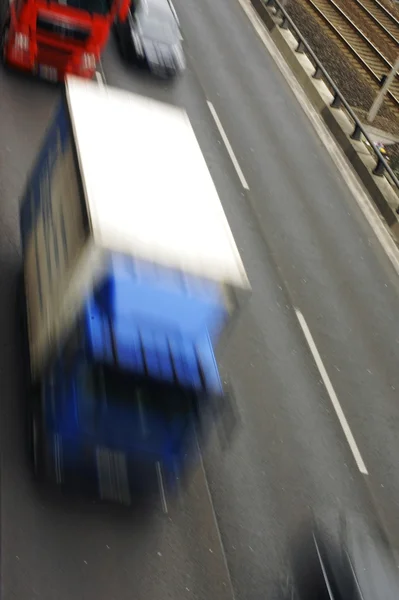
380 190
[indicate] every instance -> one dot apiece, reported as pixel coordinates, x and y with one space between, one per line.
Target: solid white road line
331 393
367 207
161 487
215 521
323 569
228 146
100 75
99 78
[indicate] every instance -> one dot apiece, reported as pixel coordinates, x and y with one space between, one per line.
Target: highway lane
327 255
53 547
289 454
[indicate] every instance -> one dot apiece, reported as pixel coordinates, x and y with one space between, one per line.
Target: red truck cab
55 38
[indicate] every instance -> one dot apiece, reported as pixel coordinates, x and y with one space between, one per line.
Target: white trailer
117 173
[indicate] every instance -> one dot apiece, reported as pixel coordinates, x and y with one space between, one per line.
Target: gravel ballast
347 75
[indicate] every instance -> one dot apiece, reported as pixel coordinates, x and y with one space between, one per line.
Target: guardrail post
357 133
379 168
301 47
337 102
383 91
318 73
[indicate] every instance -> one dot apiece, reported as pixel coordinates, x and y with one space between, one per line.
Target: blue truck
131 278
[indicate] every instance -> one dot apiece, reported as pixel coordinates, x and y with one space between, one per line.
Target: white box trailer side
117 173
59 257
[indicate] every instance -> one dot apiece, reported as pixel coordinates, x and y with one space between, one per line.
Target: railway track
355 43
374 19
383 16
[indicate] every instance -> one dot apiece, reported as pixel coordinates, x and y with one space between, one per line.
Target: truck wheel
36 448
22 328
35 435
122 32
3 40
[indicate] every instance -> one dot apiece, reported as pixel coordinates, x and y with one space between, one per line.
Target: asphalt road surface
304 244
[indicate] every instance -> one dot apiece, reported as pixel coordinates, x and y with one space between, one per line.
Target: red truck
54 38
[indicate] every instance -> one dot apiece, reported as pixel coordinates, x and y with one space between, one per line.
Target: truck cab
52 39
124 397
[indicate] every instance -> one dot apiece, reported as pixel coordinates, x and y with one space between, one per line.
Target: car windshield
157 24
98 7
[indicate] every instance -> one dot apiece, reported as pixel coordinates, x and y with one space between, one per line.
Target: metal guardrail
382 167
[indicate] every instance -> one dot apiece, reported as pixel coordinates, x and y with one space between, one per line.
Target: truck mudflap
113 475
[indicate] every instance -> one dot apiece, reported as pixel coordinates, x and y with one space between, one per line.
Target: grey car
151 38
359 565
